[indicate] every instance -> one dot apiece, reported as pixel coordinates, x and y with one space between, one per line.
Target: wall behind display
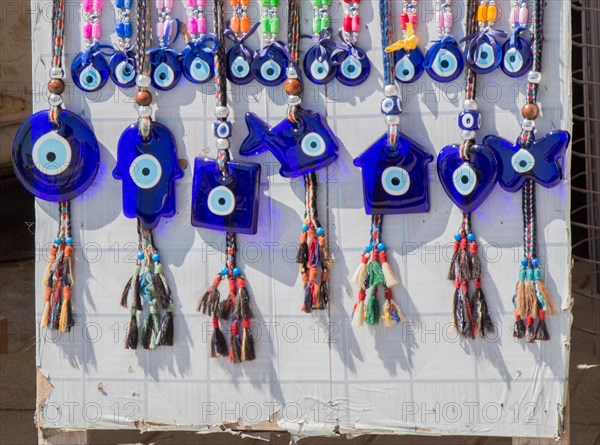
314 374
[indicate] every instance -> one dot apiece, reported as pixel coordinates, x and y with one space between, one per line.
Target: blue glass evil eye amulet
197 59
269 64
483 53
408 65
122 69
320 63
89 70
225 202
55 163
148 168
517 56
467 182
395 179
301 147
444 60
354 67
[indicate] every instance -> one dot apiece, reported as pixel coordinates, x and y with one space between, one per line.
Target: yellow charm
409 43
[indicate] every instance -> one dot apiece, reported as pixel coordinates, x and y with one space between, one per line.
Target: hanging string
56 85
144 42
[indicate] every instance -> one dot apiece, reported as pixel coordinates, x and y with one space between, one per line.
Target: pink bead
202 25
356 23
160 30
88 5
192 26
98 5
160 4
523 15
96 31
191 3
440 20
169 4
413 20
448 19
514 14
87 30
347 23
201 3
403 20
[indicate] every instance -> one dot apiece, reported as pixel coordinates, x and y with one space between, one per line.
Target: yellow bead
482 13
492 12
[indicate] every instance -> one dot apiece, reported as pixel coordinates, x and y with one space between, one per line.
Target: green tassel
375 273
373 313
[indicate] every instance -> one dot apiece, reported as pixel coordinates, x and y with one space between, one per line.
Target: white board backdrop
314 374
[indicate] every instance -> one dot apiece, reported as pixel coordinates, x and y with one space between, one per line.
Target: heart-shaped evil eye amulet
122 69
55 163
318 66
517 58
269 69
409 65
198 66
352 70
238 65
447 64
166 70
486 56
89 71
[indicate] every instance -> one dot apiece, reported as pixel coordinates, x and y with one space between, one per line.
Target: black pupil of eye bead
127 70
395 181
313 144
320 70
406 72
89 79
523 163
351 68
484 55
270 71
464 179
162 76
221 201
512 58
145 171
51 157
198 65
240 68
445 64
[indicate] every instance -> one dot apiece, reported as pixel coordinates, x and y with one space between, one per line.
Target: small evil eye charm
148 169
222 129
269 65
469 120
197 61
89 70
409 65
444 60
55 163
166 69
122 69
318 66
228 203
239 60
483 55
391 105
354 68
517 57
467 182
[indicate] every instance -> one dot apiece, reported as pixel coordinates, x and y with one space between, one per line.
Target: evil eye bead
409 66
51 154
221 201
517 58
391 106
198 71
163 77
269 69
146 171
319 69
90 79
91 75
447 64
313 145
238 66
487 58
222 130
405 70
522 161
464 179
469 120
122 69
353 71
395 181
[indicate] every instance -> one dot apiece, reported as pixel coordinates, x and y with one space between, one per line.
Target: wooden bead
143 98
56 86
530 111
293 87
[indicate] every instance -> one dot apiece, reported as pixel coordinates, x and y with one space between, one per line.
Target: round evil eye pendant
198 65
166 70
318 66
354 68
409 65
122 69
485 56
55 163
444 61
239 59
89 70
269 66
517 57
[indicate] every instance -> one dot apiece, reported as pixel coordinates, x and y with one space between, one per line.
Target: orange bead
492 13
530 111
245 2
482 13
233 2
234 24
293 86
245 24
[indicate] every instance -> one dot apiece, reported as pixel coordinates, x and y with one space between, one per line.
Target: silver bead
390 90
55 100
534 77
467 135
221 112
223 144
294 100
291 73
56 73
392 119
470 104
143 81
527 124
144 111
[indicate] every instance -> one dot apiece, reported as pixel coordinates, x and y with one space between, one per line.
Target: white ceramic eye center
221 201
464 179
313 144
522 161
146 171
51 154
395 181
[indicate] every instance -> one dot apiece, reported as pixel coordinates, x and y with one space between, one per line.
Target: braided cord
58 30
471 27
144 41
293 32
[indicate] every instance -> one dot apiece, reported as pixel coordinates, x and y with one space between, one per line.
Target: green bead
326 3
275 25
265 3
537 273
266 24
316 25
324 22
317 3
521 275
275 3
529 274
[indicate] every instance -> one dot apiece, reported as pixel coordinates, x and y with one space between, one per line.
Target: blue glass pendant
318 65
444 61
239 60
148 169
354 67
409 65
541 162
166 68
395 180
198 59
517 56
228 203
467 182
89 70
269 64
55 163
301 148
122 69
483 53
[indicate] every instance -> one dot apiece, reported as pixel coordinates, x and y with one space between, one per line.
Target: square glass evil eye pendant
226 202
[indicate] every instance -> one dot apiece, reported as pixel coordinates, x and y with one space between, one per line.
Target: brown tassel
519 328
125 292
550 307
131 339
248 353
530 334
162 290
235 347
218 344
242 300
302 255
165 336
137 296
541 332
